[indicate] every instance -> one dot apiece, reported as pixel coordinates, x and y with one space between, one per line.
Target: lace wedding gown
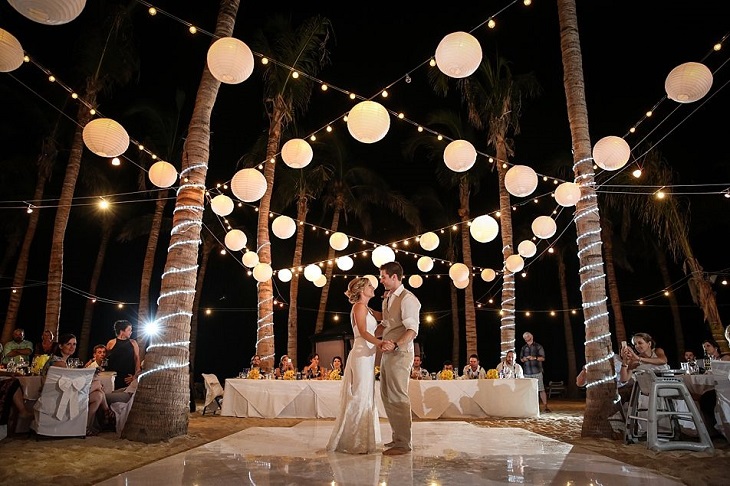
357 427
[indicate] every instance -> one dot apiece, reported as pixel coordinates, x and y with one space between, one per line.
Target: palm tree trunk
455 329
470 317
507 320
618 316
207 248
293 325
106 235
328 270
661 259
567 327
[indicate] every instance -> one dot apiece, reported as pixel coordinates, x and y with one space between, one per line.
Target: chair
62 409
556 388
213 393
721 372
654 415
121 408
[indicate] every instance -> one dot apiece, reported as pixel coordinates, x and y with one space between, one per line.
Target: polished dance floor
453 453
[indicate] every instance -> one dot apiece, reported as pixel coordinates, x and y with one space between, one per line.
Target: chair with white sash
213 393
721 373
62 409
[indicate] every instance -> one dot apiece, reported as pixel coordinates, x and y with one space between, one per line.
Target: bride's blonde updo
355 288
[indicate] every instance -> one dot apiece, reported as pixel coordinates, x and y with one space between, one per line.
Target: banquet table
699 384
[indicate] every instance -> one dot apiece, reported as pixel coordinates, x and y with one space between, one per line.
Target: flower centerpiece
290 375
254 374
335 375
447 375
492 374
377 372
38 363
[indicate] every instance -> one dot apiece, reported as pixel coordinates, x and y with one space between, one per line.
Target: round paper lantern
312 272
460 155
488 274
544 227
320 281
514 263
688 82
285 275
458 54
611 153
235 240
250 259
339 241
415 281
462 284
484 228
49 12
11 52
373 280
527 248
459 272
105 137
297 153
368 122
230 60
262 272
221 205
567 194
429 241
520 180
162 174
382 254
248 185
283 227
344 263
425 264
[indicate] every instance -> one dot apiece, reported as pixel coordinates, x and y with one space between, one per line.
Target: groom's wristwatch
395 346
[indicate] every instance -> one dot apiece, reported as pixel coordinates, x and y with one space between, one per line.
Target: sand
26 461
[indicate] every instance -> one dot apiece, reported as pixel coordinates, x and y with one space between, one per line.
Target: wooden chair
557 389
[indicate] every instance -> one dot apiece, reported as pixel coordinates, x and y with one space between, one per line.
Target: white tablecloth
699 384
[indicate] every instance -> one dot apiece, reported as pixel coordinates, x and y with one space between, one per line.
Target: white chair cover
213 390
721 372
62 409
121 409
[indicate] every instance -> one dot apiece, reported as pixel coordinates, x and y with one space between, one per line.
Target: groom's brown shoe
387 445
396 451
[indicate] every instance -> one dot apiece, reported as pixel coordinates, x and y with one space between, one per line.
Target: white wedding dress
357 427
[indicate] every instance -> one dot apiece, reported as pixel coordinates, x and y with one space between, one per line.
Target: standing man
123 355
400 321
532 355
17 349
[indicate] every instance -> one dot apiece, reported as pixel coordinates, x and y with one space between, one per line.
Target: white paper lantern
484 228
514 263
320 281
567 194
488 274
230 60
312 272
527 248
460 155
221 205
373 280
611 153
688 82
425 264
283 227
250 259
382 254
297 153
368 122
162 174
458 55
105 137
429 241
458 272
284 274
520 180
235 240
11 52
248 185
544 227
344 263
461 284
415 281
49 12
339 241
262 272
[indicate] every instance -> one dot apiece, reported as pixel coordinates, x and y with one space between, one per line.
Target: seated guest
508 368
472 371
47 345
691 358
98 359
646 356
712 349
417 372
448 366
312 371
337 365
256 361
18 348
285 365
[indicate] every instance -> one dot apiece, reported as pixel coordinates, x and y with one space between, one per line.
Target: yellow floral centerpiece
377 372
335 375
38 363
447 375
290 375
492 374
254 374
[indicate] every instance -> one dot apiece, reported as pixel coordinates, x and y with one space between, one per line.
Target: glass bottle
707 363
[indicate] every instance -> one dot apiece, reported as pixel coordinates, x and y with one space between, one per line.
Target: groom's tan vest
394 316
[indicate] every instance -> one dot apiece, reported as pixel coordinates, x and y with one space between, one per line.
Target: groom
400 321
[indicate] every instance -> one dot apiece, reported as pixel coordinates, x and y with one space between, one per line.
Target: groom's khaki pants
394 374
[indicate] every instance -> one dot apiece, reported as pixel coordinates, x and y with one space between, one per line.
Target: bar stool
653 400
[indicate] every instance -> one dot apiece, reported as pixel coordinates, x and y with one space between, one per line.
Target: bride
357 428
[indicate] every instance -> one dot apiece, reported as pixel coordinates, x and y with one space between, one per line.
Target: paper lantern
368 122
527 248
514 263
460 155
520 180
415 281
297 153
230 60
284 274
373 280
320 281
221 205
105 137
461 284
262 272
339 241
429 241
544 227
49 12
425 264
458 54
11 52
283 227
162 174
382 254
484 228
344 263
688 82
312 272
611 153
488 274
250 259
235 240
567 194
248 185
458 272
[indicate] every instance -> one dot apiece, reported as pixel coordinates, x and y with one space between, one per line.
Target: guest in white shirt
98 359
417 371
508 368
473 371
